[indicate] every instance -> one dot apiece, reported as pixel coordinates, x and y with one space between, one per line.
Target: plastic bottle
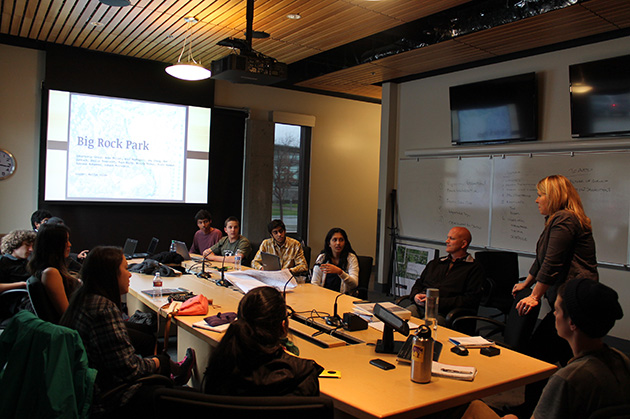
431 309
157 285
172 248
237 261
422 356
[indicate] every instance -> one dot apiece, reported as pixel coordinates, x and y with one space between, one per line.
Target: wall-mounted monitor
111 149
495 111
600 98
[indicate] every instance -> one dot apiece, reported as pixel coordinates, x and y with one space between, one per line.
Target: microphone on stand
203 273
223 282
284 290
335 320
284 294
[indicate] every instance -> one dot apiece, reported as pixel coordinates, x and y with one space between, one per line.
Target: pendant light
189 69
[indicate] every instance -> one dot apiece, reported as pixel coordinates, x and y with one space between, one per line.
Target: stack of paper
471 341
253 278
366 310
203 325
453 371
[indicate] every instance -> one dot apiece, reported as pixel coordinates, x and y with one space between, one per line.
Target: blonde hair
562 195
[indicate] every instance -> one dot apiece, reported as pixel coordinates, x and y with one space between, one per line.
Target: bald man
457 275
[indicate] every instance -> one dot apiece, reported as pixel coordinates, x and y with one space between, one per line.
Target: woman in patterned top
95 313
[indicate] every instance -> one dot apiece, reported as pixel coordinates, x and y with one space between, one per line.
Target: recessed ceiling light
294 16
97 24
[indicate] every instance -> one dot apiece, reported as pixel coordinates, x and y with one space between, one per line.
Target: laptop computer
130 248
181 249
270 262
150 250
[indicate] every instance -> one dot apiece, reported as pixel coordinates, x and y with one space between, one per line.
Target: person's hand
83 254
420 299
517 288
329 268
206 253
526 304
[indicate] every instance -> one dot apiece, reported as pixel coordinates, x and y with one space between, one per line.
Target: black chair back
39 300
365 272
170 402
11 301
501 270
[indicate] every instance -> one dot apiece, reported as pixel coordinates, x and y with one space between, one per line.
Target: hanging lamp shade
190 69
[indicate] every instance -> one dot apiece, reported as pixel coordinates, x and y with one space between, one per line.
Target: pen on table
455 371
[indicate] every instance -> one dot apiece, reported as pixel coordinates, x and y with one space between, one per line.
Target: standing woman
95 313
565 250
337 267
48 265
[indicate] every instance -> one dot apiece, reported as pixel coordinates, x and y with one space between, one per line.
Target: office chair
465 326
516 330
45 370
39 300
171 402
612 412
501 270
365 272
11 301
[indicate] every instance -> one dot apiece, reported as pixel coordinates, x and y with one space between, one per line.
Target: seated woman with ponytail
251 360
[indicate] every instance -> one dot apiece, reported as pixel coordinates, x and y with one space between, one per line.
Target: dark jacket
286 375
459 287
564 251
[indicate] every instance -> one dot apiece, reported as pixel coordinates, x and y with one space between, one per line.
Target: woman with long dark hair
95 312
251 360
337 266
48 264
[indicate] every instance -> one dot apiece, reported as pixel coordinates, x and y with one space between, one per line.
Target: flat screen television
600 98
495 111
113 149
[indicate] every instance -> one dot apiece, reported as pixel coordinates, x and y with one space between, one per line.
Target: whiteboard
435 195
495 198
600 180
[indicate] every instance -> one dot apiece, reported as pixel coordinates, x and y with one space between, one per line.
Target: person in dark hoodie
252 358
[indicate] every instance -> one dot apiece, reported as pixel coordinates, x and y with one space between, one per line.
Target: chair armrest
457 313
481 319
403 298
149 379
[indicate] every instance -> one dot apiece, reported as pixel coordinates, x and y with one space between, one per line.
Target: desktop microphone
203 273
223 282
284 290
335 320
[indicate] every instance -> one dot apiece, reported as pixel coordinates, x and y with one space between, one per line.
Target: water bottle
157 285
431 309
422 356
237 261
172 248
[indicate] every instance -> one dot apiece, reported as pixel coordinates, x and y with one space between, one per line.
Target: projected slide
111 149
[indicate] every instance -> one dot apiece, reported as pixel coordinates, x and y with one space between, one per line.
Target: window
290 177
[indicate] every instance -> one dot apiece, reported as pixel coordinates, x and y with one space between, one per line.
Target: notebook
130 248
270 262
150 249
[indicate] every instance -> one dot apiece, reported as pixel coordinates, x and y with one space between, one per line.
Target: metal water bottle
422 355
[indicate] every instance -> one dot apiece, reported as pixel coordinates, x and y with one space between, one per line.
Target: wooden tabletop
364 390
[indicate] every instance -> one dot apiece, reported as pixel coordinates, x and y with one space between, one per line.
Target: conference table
363 390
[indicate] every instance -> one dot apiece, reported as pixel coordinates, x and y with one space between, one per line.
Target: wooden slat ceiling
155 29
